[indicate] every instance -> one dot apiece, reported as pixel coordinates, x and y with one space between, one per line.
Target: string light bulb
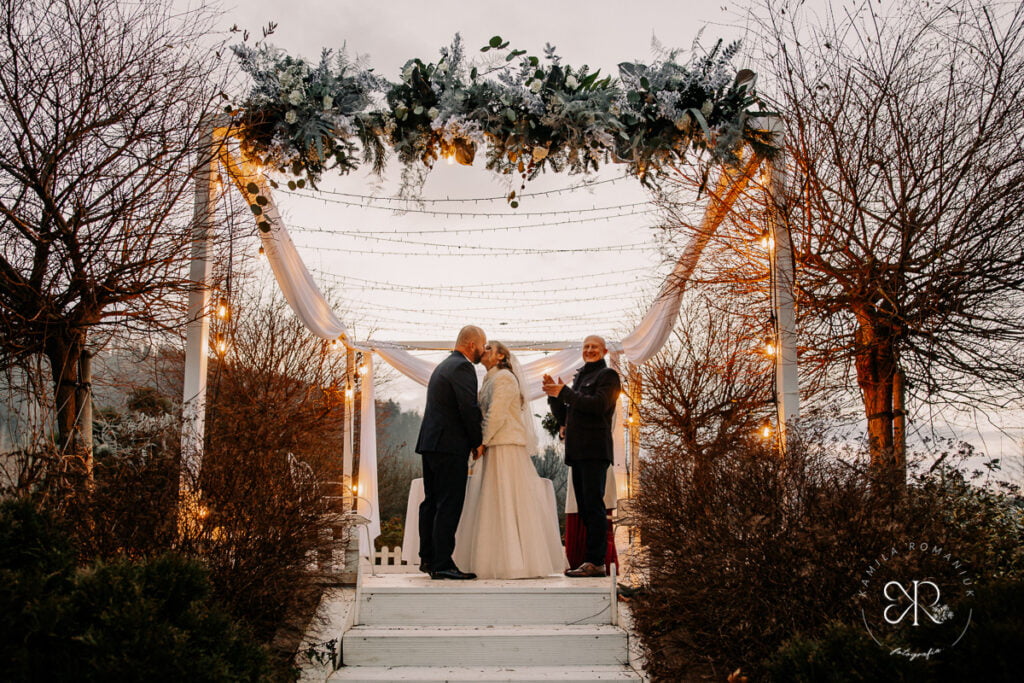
333 345
223 309
766 431
355 489
349 392
769 348
220 345
363 370
261 254
768 242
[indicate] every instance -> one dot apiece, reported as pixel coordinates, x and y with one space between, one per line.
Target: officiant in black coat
586 410
450 431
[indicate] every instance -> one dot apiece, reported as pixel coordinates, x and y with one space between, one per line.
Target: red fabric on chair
575 542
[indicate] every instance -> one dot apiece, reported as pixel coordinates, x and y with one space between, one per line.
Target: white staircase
409 628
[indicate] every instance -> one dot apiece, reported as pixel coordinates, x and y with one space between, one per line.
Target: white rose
292 116
571 82
295 97
432 113
328 101
706 108
407 71
536 85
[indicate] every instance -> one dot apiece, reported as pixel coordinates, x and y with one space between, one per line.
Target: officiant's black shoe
586 570
454 574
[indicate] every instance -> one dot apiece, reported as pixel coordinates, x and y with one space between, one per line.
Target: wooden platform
407 627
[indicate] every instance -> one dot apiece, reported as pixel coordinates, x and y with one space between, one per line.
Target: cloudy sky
421 273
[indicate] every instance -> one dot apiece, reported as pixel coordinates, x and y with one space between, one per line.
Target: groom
449 432
586 411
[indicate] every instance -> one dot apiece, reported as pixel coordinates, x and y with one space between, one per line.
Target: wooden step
488 646
558 600
484 674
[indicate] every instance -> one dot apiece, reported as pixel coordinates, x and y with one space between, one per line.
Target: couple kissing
501 522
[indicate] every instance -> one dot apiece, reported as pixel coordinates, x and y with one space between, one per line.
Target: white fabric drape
368 505
297 285
308 303
640 345
416 369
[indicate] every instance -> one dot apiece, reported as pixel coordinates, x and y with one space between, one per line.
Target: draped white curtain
368 500
308 303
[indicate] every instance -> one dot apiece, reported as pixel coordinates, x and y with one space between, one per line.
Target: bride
509 526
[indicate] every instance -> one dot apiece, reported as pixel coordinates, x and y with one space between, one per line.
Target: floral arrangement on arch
529 113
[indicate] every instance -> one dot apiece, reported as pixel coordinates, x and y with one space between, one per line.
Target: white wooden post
197 340
787 383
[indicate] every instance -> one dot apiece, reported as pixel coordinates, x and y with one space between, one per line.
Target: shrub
746 549
841 654
124 621
36 570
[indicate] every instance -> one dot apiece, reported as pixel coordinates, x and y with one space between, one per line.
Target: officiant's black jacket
587 411
451 419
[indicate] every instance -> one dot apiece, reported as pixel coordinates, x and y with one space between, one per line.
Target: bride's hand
478 452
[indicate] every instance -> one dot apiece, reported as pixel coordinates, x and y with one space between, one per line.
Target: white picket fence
389 561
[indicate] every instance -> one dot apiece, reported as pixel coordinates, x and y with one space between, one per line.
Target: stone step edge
445 631
450 588
486 673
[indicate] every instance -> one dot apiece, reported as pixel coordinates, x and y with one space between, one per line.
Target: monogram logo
915 604
916 618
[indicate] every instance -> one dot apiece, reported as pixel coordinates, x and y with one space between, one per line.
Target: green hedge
152 620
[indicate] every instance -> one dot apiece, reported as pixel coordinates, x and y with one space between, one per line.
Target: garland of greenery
531 114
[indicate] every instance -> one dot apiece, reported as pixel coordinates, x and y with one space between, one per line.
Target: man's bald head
471 342
594 348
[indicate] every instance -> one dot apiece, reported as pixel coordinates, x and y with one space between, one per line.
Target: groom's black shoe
425 568
453 573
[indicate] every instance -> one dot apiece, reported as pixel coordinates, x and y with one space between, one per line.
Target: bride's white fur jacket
501 405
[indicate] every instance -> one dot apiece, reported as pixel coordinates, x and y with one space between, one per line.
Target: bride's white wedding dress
509 525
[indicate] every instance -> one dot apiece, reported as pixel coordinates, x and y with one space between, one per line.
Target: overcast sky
396 284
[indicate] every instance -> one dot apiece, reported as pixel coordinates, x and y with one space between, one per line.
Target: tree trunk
72 392
877 370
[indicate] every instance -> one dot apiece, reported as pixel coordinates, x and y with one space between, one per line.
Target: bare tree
906 155
905 135
711 387
100 109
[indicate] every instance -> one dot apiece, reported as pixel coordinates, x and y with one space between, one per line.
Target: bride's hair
511 363
501 350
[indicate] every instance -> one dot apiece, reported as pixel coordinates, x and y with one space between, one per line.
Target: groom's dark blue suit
451 429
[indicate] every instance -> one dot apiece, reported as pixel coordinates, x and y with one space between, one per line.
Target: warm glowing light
769 348
221 345
203 512
333 345
223 309
355 489
450 158
768 242
261 254
766 431
349 393
363 370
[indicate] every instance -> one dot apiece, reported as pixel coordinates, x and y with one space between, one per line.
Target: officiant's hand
551 387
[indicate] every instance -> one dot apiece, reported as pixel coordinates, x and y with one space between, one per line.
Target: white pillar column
786 380
197 340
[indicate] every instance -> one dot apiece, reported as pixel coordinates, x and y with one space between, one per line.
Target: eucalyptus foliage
530 113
